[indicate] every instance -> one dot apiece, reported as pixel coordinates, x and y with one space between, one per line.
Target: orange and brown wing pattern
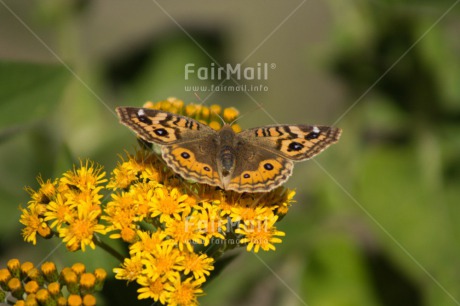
269 173
296 142
185 160
162 127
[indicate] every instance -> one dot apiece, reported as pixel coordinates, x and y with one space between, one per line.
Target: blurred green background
377 218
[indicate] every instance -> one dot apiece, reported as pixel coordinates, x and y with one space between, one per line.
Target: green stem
97 240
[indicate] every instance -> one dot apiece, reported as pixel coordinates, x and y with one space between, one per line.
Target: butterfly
254 160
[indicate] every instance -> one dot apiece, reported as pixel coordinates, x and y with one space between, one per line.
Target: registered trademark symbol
272 66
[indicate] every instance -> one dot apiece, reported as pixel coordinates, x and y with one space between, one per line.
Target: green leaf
220 265
28 92
337 273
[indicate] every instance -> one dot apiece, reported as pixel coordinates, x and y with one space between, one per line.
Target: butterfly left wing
162 127
186 145
295 142
194 161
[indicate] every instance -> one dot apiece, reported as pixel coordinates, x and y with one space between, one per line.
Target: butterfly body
254 160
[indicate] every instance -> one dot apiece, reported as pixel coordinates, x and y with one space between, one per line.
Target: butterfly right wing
295 142
266 154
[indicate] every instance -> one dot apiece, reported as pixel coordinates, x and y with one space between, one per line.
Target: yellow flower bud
31 300
5 276
43 297
101 275
36 275
230 114
215 125
14 267
148 104
61 301
89 300
20 303
45 231
215 109
54 288
25 268
74 300
190 110
70 279
31 287
79 268
50 271
128 235
87 282
15 286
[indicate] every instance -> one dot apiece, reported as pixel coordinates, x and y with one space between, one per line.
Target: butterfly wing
267 154
295 142
258 169
187 146
162 127
194 161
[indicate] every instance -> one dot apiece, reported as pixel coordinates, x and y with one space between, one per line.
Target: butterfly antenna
203 101
220 117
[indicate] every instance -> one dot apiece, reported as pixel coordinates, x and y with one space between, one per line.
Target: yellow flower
155 289
226 203
185 232
59 211
163 262
90 197
207 115
261 234
123 175
249 213
168 204
44 194
210 223
185 292
88 176
33 222
197 264
284 201
120 214
142 166
142 193
147 242
131 269
81 229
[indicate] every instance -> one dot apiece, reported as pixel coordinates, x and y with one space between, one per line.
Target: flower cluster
24 284
212 115
175 230
69 207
